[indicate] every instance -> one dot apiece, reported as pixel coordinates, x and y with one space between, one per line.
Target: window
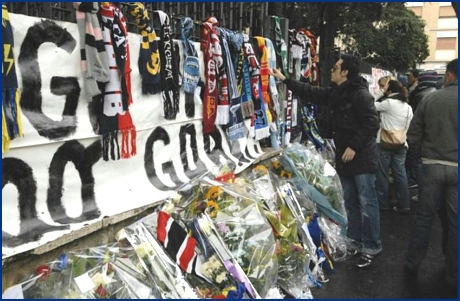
446 11
446 43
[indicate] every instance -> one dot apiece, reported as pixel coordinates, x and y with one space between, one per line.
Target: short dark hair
452 67
350 63
414 72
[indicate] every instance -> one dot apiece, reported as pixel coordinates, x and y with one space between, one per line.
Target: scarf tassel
110 144
128 135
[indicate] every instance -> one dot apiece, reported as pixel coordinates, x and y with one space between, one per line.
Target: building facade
442 31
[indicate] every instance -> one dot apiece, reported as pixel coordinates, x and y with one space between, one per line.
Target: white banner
54 178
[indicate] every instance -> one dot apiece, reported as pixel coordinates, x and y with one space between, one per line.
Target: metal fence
232 15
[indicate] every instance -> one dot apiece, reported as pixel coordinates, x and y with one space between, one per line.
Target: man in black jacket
354 123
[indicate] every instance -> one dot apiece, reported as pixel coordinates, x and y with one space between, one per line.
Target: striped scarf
223 106
169 74
264 80
210 91
179 245
94 61
191 66
149 55
11 113
116 94
261 121
235 127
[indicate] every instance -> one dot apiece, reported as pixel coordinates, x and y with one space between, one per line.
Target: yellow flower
213 208
227 289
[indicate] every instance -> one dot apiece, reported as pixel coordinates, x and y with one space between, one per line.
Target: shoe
365 260
351 253
414 198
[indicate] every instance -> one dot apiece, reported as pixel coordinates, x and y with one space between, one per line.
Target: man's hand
348 155
276 73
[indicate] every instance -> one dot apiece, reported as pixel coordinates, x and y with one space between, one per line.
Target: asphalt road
385 279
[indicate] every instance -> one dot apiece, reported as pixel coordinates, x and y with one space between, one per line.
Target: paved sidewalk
385 278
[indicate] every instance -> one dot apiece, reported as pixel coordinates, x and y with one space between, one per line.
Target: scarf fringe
262 133
128 143
235 132
110 145
223 114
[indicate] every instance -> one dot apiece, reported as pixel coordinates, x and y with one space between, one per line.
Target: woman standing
395 117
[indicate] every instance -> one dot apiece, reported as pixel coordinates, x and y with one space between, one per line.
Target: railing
232 15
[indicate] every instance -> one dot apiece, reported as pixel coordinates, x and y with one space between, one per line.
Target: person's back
434 133
441 124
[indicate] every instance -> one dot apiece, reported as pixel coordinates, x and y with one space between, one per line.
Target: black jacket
353 121
419 92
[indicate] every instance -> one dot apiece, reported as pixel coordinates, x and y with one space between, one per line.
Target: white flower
221 277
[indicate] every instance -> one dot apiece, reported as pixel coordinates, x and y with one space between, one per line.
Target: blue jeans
363 215
439 188
395 159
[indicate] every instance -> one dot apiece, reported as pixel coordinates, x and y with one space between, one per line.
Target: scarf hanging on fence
169 74
293 55
264 82
191 66
94 61
261 120
244 82
305 57
315 79
11 112
116 94
281 47
179 245
210 91
223 106
235 128
149 56
272 82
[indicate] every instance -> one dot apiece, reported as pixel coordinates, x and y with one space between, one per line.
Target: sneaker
351 253
414 198
365 260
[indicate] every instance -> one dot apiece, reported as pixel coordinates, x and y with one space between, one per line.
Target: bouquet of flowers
317 179
168 280
206 275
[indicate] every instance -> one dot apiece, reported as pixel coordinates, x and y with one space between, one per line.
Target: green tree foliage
396 42
385 34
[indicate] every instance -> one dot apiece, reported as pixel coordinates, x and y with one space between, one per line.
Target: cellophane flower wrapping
217 282
241 224
317 178
92 273
51 280
169 281
293 257
334 239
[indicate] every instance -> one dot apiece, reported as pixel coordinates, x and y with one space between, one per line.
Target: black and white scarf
169 74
